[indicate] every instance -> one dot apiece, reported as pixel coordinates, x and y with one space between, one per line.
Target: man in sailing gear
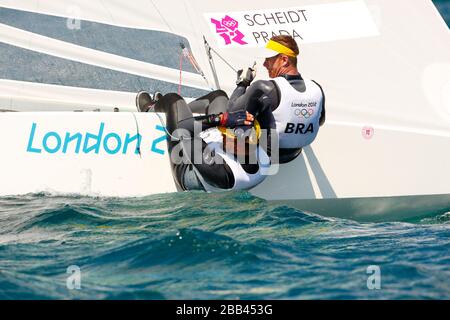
290 104
238 149
213 159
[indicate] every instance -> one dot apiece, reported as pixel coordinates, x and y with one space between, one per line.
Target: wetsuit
262 98
201 174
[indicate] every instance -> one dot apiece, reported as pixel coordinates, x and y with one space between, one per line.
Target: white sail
38 43
390 76
31 96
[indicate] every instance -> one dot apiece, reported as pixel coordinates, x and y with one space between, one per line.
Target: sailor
290 104
223 154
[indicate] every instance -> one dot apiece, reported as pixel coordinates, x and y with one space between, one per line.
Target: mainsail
391 73
384 66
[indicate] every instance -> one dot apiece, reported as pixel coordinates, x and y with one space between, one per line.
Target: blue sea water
443 7
212 246
215 246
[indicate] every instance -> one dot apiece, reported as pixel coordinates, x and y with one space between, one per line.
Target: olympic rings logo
304 113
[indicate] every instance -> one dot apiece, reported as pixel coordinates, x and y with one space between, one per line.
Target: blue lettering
98 138
128 140
52 142
45 140
118 146
156 141
30 140
69 139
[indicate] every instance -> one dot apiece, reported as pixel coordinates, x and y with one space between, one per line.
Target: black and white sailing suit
204 174
263 97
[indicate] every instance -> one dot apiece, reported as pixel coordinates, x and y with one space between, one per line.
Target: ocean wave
229 245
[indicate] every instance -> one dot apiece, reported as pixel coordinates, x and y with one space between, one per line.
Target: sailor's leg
177 112
211 103
174 105
180 139
204 165
190 180
179 121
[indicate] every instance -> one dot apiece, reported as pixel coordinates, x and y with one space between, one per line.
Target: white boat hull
399 173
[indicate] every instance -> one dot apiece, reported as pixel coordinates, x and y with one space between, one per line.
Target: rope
163 124
162 17
138 135
208 47
190 57
223 59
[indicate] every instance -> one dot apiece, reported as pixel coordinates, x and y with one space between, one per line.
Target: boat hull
397 174
376 209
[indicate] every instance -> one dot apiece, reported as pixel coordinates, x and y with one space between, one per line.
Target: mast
211 63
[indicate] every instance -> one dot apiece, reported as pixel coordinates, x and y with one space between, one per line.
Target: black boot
157 96
144 101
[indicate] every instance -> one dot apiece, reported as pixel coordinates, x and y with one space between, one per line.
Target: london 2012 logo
227 28
304 113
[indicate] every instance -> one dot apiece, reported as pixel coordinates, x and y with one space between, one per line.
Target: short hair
289 42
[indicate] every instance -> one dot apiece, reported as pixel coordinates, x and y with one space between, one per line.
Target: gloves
231 119
236 119
244 79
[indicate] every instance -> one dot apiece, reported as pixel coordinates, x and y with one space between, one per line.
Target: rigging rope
185 51
223 59
162 17
190 57
217 54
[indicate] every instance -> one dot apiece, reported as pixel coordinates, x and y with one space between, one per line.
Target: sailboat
70 72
